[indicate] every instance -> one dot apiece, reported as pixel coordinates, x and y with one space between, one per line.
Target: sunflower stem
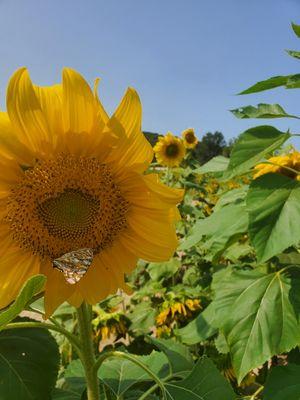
84 315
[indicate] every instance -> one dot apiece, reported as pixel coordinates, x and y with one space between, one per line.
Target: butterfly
75 264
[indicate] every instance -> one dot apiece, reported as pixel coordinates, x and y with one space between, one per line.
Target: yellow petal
57 290
133 149
16 267
50 98
79 105
25 112
10 145
106 274
151 235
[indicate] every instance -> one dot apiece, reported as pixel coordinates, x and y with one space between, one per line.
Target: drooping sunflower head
169 150
75 203
189 138
288 165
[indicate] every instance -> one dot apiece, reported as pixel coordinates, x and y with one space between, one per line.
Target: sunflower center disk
190 137
172 150
66 204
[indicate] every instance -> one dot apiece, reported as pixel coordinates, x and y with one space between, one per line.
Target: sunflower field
135 273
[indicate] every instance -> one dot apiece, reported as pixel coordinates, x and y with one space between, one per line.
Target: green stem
72 339
126 356
84 313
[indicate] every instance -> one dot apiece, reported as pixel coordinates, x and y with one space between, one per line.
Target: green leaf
252 146
142 317
29 362
179 356
293 53
296 29
203 383
262 111
32 287
267 84
216 164
73 388
121 374
220 229
289 258
231 196
164 270
258 314
200 329
273 202
283 383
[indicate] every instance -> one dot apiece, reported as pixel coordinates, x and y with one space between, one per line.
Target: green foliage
258 314
203 382
29 361
283 383
32 287
262 111
273 202
252 146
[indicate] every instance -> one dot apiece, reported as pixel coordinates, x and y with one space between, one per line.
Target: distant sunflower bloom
283 165
74 194
190 140
169 150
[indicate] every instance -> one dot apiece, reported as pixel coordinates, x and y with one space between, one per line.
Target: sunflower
189 138
284 165
169 150
74 194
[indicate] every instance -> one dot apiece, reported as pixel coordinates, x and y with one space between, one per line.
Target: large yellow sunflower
190 140
169 150
73 192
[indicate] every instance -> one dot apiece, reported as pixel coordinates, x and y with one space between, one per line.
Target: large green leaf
283 383
252 146
258 314
262 111
29 361
273 202
231 196
220 229
164 270
32 287
121 374
200 329
216 164
179 356
203 383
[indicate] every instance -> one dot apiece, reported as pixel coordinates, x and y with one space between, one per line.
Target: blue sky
187 59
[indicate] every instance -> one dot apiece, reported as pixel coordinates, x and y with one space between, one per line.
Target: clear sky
186 58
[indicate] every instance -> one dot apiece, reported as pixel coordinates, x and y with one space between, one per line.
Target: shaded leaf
273 202
200 329
142 318
179 356
164 270
33 286
262 111
252 146
121 374
204 382
283 383
258 314
29 361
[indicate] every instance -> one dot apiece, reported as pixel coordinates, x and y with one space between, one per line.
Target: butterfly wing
74 265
